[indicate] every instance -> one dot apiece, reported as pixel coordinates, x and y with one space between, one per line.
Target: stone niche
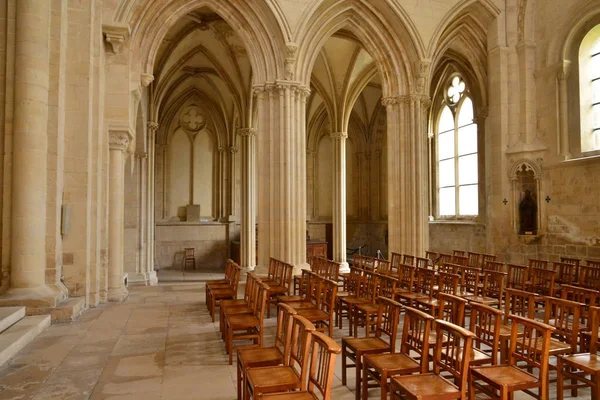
525 177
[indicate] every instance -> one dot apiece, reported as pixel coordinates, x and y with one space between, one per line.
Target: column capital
119 139
564 70
338 135
152 127
247 132
116 35
232 149
280 86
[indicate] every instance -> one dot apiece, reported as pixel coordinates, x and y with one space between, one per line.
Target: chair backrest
387 285
387 321
354 281
314 288
591 344
469 282
519 303
448 282
287 272
444 258
261 304
188 253
487 257
251 282
235 278
460 253
589 276
517 275
474 259
421 262
564 316
272 270
452 353
460 260
542 281
425 281
358 260
318 265
384 267
494 283
449 267
570 260
593 263
322 364
408 259
485 324
530 344
305 276
566 272
372 286
228 269
533 263
328 296
370 263
415 335
301 340
493 266
406 277
432 257
283 330
332 270
579 294
451 308
395 262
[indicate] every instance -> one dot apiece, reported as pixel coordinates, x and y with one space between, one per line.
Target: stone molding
232 149
280 86
147 79
152 128
247 132
338 135
116 35
119 140
406 99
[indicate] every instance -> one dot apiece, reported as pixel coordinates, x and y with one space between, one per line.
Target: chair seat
343 294
428 386
586 361
233 303
223 293
505 375
413 296
259 357
353 300
367 307
299 305
483 300
272 379
366 344
243 321
313 314
291 396
236 310
287 299
273 290
428 302
393 363
556 347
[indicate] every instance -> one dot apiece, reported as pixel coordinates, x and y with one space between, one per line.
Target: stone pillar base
143 279
117 295
38 300
344 267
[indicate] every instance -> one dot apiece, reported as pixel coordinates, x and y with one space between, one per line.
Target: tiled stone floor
159 344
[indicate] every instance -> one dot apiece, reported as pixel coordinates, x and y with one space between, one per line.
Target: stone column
408 229
118 142
563 76
248 226
152 129
232 182
281 160
30 147
338 140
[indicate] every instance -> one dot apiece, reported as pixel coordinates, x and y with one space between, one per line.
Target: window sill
456 222
592 158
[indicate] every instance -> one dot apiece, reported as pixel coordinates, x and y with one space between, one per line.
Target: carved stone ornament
147 79
115 36
338 135
192 119
152 128
247 132
119 139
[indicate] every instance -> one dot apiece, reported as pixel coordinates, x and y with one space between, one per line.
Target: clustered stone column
339 199
118 142
30 148
248 223
281 158
152 129
408 229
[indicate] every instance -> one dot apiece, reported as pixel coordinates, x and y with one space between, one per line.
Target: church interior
299 199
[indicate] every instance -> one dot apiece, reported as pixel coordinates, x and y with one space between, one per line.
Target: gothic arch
393 50
252 19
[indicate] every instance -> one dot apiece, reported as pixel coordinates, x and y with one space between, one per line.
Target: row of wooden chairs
321 266
300 365
279 278
223 289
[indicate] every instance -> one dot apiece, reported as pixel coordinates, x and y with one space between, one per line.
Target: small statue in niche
528 214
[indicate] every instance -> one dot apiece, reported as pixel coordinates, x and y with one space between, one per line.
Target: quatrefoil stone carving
192 119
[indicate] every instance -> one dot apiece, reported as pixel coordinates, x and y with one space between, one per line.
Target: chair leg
559 379
471 388
239 381
344 364
358 375
364 395
383 383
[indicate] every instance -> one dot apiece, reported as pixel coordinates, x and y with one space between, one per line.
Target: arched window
589 89
457 161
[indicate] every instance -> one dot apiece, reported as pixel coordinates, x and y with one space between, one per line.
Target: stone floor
159 344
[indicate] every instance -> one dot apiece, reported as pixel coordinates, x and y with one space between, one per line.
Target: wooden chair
381 367
517 276
519 303
366 314
406 279
244 305
354 287
566 273
587 298
432 257
460 253
485 324
469 281
582 368
189 257
223 282
302 287
451 355
564 316
247 326
384 341
589 276
460 260
529 345
448 267
322 316
425 280
446 283
533 263
593 263
292 375
320 375
541 281
491 292
253 357
574 261
421 262
281 286
408 259
444 258
368 296
312 296
395 262
383 267
493 266
216 293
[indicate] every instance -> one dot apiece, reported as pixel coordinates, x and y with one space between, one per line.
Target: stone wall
445 237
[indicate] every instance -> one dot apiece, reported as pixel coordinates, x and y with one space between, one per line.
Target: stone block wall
445 237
